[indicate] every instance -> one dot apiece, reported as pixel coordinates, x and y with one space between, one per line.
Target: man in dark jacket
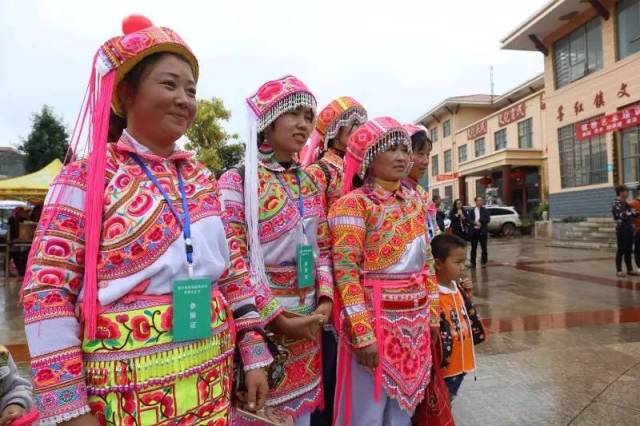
477 220
439 213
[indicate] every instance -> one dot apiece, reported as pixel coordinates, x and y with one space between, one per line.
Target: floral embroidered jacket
280 227
142 251
378 232
329 175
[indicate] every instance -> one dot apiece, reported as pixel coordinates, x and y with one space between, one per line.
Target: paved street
564 343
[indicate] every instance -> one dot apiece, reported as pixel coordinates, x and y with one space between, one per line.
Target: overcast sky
397 57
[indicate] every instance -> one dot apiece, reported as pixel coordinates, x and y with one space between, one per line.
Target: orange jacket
634 203
462 358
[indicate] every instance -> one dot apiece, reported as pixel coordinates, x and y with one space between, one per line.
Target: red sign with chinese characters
476 130
619 120
512 114
446 176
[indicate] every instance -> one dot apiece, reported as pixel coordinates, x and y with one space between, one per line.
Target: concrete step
600 220
582 245
587 235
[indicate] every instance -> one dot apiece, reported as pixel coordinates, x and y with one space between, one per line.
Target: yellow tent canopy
30 187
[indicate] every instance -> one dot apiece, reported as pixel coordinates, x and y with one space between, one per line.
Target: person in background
458 220
15 391
623 214
439 213
634 203
477 220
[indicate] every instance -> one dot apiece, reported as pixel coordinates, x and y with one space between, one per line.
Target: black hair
436 197
478 196
419 140
621 188
453 211
132 79
442 245
357 182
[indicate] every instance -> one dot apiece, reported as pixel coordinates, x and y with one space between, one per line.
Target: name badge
305 265
191 309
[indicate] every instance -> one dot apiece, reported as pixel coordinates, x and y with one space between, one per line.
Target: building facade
490 146
591 101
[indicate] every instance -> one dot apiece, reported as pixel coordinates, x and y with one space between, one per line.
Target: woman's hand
302 327
324 308
255 396
367 356
83 420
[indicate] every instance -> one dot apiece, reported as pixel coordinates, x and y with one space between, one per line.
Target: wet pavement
563 346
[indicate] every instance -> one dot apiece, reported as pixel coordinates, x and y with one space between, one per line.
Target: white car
504 220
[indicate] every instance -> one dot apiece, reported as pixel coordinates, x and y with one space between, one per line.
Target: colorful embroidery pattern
137 229
279 218
332 163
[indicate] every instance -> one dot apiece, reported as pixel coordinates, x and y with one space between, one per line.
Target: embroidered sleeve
324 273
318 177
51 285
231 190
347 222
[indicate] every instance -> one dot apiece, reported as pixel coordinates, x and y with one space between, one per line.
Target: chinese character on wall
599 100
622 93
560 115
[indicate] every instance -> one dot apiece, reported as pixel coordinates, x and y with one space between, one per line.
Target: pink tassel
311 151
351 166
51 210
377 304
343 384
95 194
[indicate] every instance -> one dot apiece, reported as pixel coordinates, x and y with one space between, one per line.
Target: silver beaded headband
347 118
392 139
286 104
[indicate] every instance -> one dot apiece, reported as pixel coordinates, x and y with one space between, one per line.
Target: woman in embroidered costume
323 159
323 156
116 335
278 208
381 267
421 151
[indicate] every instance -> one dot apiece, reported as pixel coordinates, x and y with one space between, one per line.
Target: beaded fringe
156 369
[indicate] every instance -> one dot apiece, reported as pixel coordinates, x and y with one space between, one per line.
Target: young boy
449 252
15 391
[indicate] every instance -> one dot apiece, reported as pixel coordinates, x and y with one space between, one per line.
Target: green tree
47 141
207 137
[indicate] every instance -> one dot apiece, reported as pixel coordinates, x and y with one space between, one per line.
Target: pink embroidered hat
341 112
140 39
412 129
276 97
113 60
375 136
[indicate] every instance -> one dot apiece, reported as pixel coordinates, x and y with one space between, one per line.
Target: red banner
512 114
619 120
446 176
476 130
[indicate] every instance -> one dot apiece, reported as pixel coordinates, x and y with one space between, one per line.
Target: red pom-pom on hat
133 23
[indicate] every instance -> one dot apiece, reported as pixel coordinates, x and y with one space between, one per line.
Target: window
447 161
631 155
581 162
435 193
500 138
525 134
628 27
448 195
462 154
579 53
434 134
434 165
479 145
500 212
446 128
